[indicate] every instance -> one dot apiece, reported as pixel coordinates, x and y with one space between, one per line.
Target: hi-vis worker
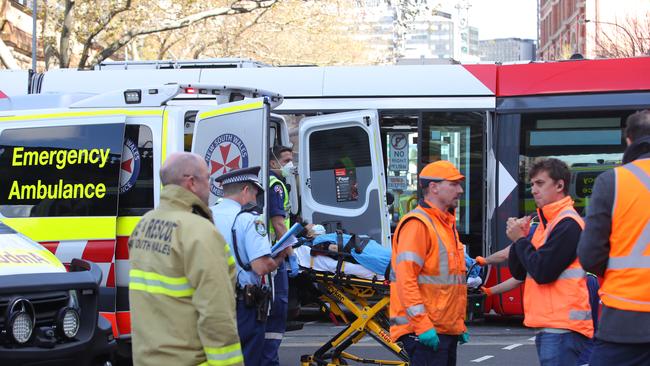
428 294
281 166
556 299
616 245
246 235
180 270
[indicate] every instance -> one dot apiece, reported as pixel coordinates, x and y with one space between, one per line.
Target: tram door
459 138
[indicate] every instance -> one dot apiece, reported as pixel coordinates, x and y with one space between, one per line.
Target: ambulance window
340 167
60 171
136 171
188 126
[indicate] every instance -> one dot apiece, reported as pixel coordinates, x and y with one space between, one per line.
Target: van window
340 166
60 171
136 171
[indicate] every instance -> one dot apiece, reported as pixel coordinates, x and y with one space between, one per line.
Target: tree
90 31
291 32
628 39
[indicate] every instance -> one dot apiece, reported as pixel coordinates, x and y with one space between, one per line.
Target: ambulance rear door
342 175
233 136
59 184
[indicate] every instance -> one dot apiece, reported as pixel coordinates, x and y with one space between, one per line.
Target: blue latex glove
430 339
463 338
293 266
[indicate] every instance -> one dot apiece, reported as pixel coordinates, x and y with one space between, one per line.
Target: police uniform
180 267
252 242
277 321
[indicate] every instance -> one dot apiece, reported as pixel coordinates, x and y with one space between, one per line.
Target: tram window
588 142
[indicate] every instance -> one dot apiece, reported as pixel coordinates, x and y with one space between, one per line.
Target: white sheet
327 264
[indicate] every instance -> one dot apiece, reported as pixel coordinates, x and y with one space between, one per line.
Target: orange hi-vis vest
563 303
428 287
626 285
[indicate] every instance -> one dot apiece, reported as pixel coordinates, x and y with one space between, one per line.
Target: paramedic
428 295
281 166
180 268
615 245
248 241
556 299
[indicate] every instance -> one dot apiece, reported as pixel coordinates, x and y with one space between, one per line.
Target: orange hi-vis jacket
563 303
427 287
626 285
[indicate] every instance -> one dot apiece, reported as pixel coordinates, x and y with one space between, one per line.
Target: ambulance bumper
47 294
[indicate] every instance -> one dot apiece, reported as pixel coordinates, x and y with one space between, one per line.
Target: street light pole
34 34
619 26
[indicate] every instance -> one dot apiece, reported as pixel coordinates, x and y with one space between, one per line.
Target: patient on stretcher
363 256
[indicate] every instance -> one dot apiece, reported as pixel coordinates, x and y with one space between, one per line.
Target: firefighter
179 270
428 294
246 235
614 245
556 299
281 164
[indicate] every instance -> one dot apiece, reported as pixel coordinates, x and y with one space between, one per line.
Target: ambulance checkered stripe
99 252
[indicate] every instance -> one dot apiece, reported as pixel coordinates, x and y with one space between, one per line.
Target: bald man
181 276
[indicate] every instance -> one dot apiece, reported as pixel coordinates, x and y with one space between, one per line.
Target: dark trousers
620 354
277 321
560 349
251 334
421 355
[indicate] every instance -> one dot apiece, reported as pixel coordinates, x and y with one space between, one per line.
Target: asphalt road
492 342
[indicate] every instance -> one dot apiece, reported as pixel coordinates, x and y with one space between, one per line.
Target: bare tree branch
98 29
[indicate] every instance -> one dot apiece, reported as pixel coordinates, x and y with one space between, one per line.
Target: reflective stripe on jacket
563 303
286 205
181 286
626 285
427 287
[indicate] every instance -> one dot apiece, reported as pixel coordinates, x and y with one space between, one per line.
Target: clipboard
287 240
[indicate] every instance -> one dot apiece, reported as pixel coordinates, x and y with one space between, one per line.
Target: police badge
260 227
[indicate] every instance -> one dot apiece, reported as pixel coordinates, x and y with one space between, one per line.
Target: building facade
593 28
16 34
507 50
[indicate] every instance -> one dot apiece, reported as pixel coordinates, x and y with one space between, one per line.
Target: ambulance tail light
190 91
3 95
133 96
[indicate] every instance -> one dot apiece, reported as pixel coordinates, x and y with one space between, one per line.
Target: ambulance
48 313
78 170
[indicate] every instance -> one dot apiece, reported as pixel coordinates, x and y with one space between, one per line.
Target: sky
504 18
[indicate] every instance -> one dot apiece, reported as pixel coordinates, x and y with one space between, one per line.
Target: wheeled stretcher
366 299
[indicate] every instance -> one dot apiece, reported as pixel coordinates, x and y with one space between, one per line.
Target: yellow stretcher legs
368 301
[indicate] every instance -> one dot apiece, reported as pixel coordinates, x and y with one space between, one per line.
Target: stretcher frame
355 294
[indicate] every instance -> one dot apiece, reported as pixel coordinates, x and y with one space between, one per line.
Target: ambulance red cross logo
130 167
227 152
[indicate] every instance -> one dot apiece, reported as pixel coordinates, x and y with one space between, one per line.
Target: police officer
180 267
281 164
246 235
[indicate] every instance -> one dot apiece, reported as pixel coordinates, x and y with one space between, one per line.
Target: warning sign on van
346 185
398 151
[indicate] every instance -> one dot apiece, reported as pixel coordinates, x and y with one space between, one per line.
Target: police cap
249 174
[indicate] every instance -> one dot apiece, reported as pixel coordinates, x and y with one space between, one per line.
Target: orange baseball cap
441 170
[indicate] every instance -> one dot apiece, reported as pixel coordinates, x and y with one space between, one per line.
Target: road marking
481 359
531 338
510 347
